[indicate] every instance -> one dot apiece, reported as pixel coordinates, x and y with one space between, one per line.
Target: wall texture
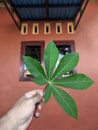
52 116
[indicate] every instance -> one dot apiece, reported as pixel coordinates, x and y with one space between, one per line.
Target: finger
40 92
30 94
37 114
36 99
39 107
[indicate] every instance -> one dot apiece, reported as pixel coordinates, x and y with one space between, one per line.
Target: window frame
23 46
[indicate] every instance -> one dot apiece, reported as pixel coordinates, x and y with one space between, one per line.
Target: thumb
37 98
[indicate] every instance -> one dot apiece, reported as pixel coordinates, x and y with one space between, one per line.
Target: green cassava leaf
50 58
76 81
65 101
67 63
35 69
47 94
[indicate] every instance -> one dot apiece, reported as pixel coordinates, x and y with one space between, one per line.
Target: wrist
7 122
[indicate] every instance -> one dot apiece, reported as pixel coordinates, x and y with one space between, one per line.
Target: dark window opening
65 47
36 31
58 29
24 29
70 28
47 29
33 51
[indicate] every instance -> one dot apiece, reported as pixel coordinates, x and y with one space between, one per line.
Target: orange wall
52 117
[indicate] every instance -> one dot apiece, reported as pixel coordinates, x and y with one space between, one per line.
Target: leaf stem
45 88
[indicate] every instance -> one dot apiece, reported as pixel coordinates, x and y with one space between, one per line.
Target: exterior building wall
86 43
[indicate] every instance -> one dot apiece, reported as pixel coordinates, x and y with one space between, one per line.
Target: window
65 47
24 28
47 28
35 28
58 28
70 28
34 49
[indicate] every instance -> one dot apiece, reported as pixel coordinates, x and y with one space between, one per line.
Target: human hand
25 109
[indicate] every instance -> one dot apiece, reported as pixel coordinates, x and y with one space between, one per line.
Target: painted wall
52 116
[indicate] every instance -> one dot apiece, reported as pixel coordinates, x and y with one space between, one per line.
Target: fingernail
39 107
37 114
